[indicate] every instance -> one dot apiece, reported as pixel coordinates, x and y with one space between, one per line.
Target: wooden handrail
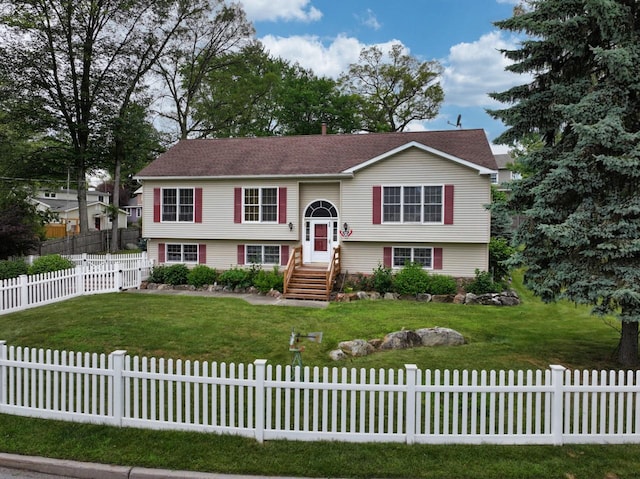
333 270
294 260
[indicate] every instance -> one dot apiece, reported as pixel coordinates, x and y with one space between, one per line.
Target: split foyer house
355 201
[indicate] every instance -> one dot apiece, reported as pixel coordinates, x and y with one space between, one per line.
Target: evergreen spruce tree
580 196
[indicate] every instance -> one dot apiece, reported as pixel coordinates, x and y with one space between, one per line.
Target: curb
88 470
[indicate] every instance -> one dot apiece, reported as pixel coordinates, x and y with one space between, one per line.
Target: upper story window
412 204
177 204
48 194
261 205
494 178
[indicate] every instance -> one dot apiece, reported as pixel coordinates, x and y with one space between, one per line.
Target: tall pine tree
580 198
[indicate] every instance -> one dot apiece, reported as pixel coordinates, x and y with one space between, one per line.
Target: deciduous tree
395 89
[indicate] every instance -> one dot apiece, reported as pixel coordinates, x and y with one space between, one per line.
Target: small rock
401 340
356 347
337 355
390 296
440 337
362 295
423 297
459 299
442 298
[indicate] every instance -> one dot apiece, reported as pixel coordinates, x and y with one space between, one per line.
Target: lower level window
263 254
421 256
182 253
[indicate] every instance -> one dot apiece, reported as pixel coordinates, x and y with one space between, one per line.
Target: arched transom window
321 209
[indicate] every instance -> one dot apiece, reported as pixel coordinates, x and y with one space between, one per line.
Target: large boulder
439 337
356 347
401 340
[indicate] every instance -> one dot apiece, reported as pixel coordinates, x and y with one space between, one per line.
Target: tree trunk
628 354
119 154
82 200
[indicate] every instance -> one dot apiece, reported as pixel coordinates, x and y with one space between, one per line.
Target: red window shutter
198 205
161 253
202 253
237 205
448 204
240 254
282 205
437 258
377 205
284 254
156 205
387 257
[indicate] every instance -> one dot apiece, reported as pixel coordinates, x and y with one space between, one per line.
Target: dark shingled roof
306 155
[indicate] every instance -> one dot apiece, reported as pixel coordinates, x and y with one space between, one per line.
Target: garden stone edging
403 339
505 298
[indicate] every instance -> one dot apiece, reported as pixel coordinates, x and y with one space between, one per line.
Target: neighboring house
385 199
504 176
64 204
134 208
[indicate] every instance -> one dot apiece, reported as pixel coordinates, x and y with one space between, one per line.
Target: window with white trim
261 205
412 204
181 253
262 254
494 178
177 204
405 255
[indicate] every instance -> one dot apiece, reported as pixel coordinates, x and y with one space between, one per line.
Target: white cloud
472 70
309 51
287 10
369 19
510 2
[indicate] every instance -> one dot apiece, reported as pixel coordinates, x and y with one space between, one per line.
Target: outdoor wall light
345 227
290 226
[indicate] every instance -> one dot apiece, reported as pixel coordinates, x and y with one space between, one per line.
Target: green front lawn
530 336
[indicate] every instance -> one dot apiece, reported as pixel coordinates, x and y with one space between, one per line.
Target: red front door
320 237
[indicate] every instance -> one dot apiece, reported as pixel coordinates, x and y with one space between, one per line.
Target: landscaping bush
12 269
158 274
236 278
49 263
265 281
499 253
201 275
176 274
441 284
382 279
411 280
483 284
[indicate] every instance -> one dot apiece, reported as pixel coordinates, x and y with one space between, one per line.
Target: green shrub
158 274
441 284
382 279
265 281
236 278
49 263
411 280
200 275
500 251
483 284
12 269
176 274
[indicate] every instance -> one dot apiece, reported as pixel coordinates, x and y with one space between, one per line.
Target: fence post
410 406
3 373
557 404
261 366
117 276
118 392
24 291
80 280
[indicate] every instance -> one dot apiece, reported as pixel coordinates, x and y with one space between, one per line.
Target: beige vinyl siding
218 212
415 167
310 192
458 260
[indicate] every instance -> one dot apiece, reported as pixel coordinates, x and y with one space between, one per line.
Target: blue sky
327 35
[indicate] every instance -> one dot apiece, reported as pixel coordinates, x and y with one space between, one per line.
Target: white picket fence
265 402
90 276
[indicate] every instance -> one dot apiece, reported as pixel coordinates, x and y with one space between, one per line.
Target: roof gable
313 155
